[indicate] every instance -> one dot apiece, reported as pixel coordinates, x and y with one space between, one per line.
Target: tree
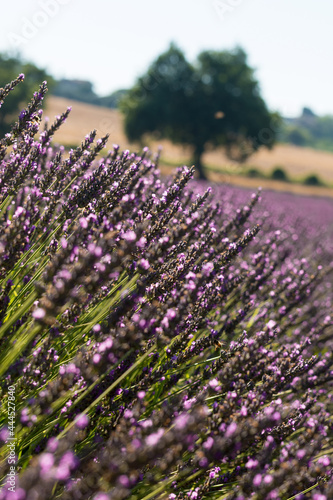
112 100
10 68
77 90
214 102
299 136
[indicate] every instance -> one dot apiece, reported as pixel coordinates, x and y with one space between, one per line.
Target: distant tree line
82 90
12 66
308 130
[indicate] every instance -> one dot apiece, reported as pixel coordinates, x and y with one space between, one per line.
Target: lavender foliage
165 340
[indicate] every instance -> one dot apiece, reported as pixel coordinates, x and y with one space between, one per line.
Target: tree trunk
197 155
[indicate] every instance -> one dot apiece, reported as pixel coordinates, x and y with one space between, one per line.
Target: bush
279 174
313 180
298 136
151 344
254 173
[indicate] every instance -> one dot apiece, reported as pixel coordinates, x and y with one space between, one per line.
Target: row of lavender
160 340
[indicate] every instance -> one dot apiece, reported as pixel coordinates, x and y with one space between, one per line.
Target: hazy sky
110 43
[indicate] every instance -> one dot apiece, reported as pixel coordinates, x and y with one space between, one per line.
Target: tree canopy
214 102
10 68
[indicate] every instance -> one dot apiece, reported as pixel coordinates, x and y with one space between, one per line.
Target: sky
112 42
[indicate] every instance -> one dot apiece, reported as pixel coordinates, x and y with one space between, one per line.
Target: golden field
297 162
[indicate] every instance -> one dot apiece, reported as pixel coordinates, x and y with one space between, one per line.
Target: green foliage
298 136
10 67
215 102
254 173
309 130
313 180
82 91
279 174
112 100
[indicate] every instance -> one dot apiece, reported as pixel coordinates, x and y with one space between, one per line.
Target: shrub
313 180
151 343
254 173
279 174
299 136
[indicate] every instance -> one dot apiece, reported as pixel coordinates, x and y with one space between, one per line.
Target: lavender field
159 338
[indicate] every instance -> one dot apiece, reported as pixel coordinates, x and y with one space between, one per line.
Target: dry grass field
297 162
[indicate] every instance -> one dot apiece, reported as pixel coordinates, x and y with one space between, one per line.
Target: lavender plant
161 340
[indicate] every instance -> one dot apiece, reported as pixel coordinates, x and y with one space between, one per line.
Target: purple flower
243 411
207 268
300 454
46 461
39 313
257 480
324 461
129 236
154 438
231 429
52 444
171 313
144 264
96 358
82 421
101 496
124 481
209 443
214 383
252 464
4 434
